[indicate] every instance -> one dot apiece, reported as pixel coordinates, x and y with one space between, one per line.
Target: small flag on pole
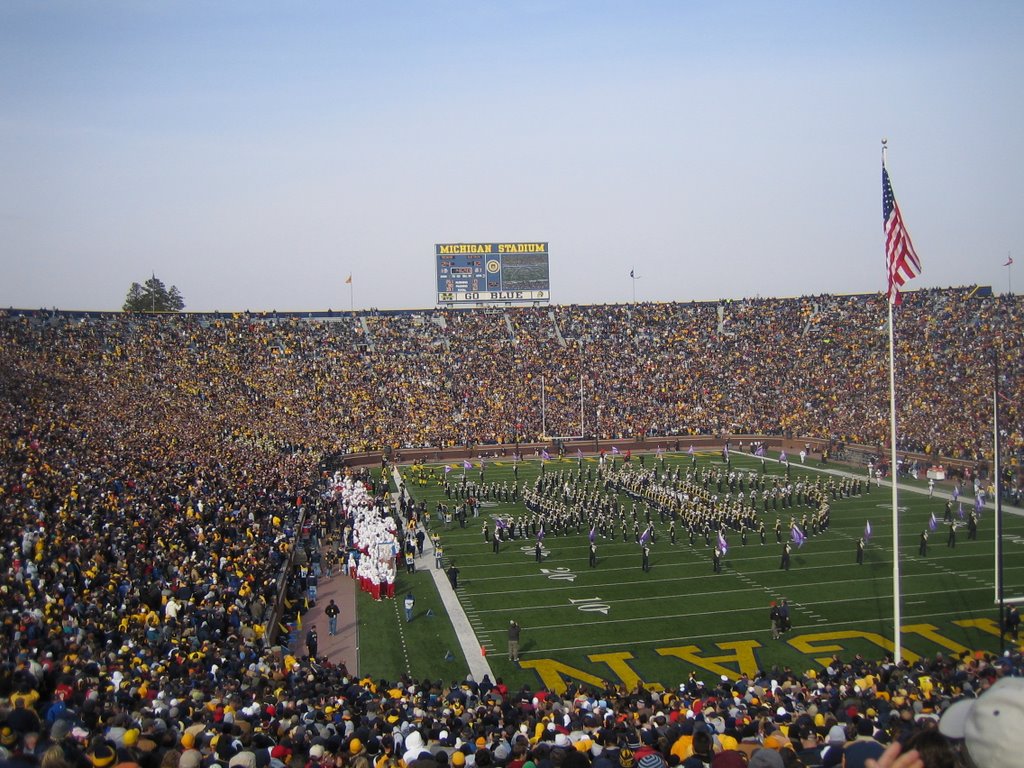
900 256
348 280
1009 261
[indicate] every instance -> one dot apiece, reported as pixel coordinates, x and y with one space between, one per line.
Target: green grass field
620 624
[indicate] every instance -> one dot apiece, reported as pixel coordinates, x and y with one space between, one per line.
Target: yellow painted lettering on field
988 626
808 644
742 656
930 632
617 663
553 674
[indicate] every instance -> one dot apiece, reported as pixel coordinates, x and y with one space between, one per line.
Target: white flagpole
543 415
582 432
896 617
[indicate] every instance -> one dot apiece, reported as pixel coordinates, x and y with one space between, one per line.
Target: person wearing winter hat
765 758
102 755
991 726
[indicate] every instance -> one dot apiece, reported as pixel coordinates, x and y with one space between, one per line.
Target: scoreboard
482 273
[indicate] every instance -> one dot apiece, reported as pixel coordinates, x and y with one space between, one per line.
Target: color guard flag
540 534
867 531
447 469
614 449
960 510
689 451
798 535
782 457
645 536
722 543
579 454
545 455
933 523
466 464
593 533
900 256
759 451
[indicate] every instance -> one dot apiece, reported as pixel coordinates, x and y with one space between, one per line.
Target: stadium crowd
156 472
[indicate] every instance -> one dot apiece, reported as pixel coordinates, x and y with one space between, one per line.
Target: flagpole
582 433
896 617
543 415
997 499
1009 273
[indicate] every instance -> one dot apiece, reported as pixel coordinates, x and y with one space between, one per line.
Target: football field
616 622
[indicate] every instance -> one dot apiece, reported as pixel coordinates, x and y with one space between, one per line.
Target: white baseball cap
991 725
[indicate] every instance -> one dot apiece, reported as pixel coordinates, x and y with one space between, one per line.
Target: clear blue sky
255 154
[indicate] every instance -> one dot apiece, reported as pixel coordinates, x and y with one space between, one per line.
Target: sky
256 154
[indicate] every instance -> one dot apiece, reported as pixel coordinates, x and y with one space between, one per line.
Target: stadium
185 494
592 435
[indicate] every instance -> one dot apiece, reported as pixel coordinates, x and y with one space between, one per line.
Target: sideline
468 641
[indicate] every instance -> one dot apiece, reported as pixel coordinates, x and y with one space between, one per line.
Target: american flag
900 256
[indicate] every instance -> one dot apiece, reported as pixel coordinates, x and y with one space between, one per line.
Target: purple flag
545 455
447 469
867 531
933 523
798 535
722 543
501 523
658 452
593 533
540 534
759 451
614 449
466 464
956 493
960 510
645 536
689 451
782 457
579 453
